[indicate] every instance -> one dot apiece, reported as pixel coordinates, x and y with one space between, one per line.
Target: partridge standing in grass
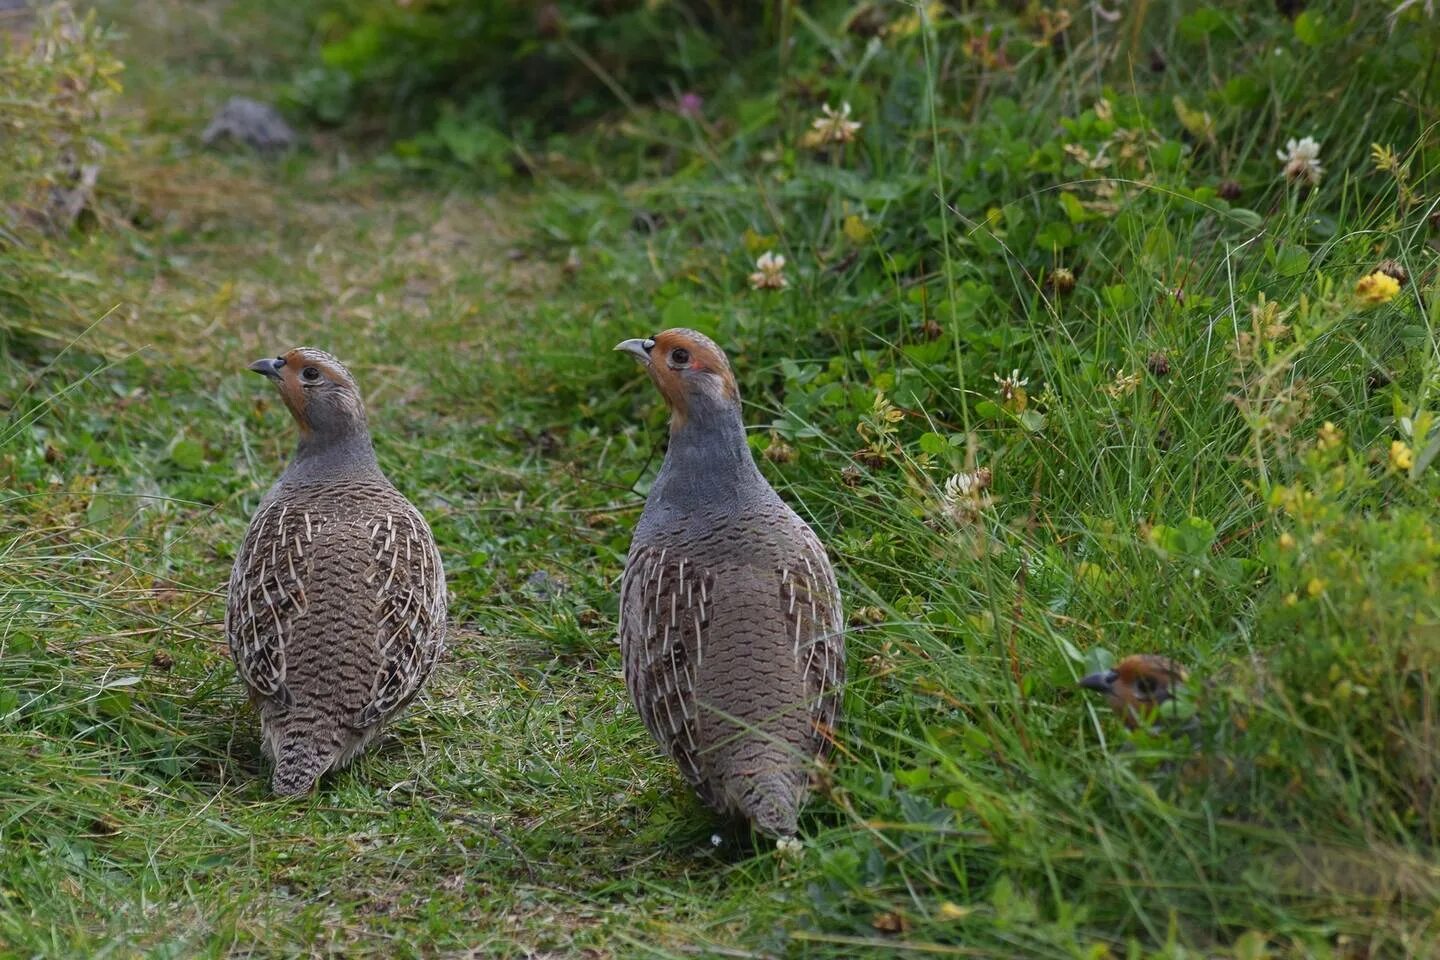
730 623
1138 686
336 612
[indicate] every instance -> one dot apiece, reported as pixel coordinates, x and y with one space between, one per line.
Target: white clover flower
1010 385
959 486
1302 160
964 495
832 126
789 848
769 272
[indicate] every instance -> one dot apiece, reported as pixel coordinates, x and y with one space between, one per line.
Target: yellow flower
1376 288
1330 436
1315 587
1401 456
856 230
910 24
1124 385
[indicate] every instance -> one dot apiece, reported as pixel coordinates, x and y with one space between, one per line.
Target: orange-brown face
1137 685
683 362
318 390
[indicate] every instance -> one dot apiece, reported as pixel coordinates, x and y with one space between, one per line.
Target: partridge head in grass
730 623
1138 687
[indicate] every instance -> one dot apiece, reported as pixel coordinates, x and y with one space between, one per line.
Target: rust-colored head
320 392
688 369
1137 685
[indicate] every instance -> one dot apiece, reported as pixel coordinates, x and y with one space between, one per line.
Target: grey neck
348 455
708 459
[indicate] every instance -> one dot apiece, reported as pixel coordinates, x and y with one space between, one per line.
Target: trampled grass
1222 453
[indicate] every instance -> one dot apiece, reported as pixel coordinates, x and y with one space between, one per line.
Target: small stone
255 124
72 191
544 586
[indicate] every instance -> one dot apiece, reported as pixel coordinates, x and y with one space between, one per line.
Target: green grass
979 805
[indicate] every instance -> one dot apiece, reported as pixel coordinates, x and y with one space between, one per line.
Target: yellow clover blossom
1376 288
1330 436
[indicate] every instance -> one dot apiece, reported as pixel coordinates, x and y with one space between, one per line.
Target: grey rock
255 124
543 585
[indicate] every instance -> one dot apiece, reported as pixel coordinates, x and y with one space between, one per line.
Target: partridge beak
1099 681
270 367
640 348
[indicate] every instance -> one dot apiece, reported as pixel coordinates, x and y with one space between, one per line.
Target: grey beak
270 367
640 348
1099 681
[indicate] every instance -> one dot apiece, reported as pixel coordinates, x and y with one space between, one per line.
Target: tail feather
301 757
771 801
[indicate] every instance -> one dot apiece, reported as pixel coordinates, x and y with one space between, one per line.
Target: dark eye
310 374
1146 686
679 356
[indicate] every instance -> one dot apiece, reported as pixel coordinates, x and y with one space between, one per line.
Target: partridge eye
310 374
1146 686
679 356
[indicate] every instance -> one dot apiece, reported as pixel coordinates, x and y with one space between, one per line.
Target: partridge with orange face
730 621
1138 686
336 610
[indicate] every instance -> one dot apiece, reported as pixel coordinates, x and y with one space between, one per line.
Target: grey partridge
1137 686
336 611
730 622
